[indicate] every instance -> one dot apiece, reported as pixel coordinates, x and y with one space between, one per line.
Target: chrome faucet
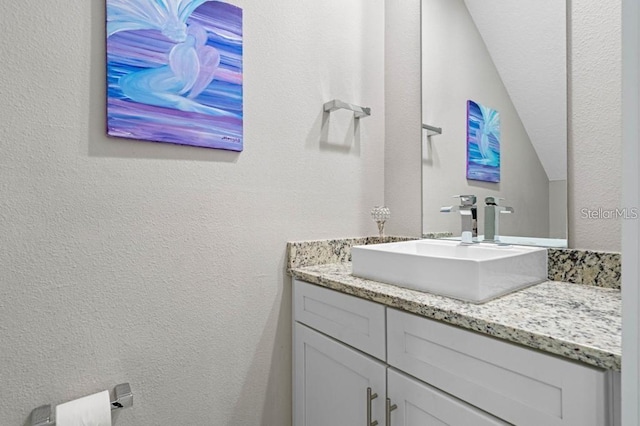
468 214
492 213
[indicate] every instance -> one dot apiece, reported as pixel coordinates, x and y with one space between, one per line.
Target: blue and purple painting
483 143
174 72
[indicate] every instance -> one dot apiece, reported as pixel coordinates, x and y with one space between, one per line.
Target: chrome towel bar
431 130
336 104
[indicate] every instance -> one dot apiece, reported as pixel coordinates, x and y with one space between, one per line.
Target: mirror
509 59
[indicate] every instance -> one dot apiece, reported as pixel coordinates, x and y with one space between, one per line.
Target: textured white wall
594 115
448 81
402 150
595 129
163 265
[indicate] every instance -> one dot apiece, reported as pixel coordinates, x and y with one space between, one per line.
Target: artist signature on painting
230 139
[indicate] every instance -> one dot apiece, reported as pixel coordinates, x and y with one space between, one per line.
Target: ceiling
527 42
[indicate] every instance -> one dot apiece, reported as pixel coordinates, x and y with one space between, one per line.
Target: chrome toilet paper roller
42 416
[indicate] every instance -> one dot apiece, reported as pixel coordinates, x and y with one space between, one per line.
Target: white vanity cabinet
522 386
357 362
337 380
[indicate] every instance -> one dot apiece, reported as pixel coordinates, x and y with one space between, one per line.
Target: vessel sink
474 273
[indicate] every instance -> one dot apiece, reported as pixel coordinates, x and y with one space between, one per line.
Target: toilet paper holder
41 416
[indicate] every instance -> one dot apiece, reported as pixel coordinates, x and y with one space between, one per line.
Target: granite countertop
579 322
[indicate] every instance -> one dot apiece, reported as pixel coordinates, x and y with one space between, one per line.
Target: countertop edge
585 354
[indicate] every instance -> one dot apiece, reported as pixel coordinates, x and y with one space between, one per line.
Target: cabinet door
517 384
331 381
418 404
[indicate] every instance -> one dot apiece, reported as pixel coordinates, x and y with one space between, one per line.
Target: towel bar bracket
359 111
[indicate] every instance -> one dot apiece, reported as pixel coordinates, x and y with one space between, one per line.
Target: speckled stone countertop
600 269
579 322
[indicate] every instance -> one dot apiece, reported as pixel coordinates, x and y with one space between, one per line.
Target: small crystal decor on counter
380 214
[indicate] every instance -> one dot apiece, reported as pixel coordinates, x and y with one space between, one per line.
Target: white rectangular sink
473 273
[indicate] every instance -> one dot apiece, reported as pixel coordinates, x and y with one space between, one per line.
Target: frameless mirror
494 115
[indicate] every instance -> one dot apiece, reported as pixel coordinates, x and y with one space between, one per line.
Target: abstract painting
483 143
174 72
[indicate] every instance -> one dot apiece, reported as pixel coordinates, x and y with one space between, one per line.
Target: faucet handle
492 201
449 209
466 200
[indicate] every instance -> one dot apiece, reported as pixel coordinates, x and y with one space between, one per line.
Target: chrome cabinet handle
390 408
370 397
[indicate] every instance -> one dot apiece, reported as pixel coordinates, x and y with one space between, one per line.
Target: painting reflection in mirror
483 143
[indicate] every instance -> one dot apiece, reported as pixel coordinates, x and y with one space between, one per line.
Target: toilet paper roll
92 410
